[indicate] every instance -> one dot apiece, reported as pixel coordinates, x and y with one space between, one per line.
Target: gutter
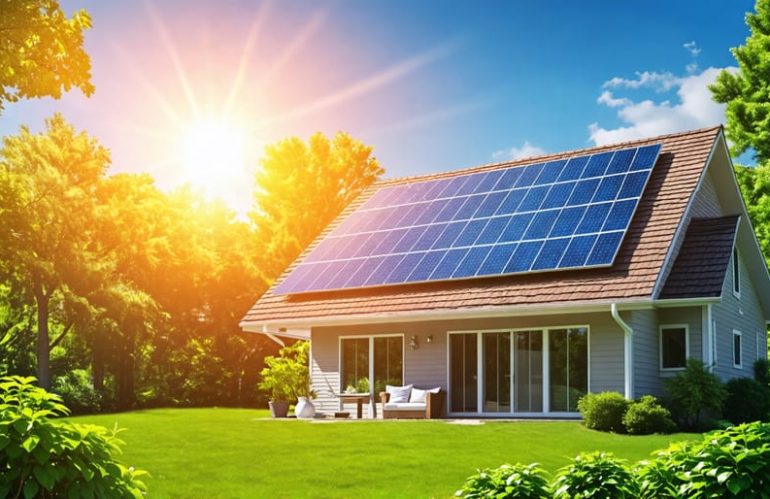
628 345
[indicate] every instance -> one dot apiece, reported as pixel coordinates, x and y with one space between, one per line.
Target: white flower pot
304 409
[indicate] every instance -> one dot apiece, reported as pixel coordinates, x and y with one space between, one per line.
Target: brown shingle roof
700 267
632 276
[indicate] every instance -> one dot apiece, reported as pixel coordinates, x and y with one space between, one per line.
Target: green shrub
42 457
747 400
762 372
507 481
696 396
603 411
287 376
647 416
77 392
597 474
732 462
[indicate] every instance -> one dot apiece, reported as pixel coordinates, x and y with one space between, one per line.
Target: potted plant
287 378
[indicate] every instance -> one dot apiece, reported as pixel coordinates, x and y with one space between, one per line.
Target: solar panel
558 215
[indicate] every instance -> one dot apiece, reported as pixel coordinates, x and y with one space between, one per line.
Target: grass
237 453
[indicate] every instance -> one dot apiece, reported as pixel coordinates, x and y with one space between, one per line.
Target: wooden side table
359 399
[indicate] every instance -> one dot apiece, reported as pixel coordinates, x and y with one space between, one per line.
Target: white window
737 350
736 274
674 346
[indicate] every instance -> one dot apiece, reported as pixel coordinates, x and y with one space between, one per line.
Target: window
736 274
674 346
371 357
568 367
737 353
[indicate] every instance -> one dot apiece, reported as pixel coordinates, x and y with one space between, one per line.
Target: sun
211 151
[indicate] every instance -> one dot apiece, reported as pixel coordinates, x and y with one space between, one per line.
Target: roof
701 265
633 275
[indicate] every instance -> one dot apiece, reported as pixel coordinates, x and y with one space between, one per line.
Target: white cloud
693 107
525 151
692 48
661 82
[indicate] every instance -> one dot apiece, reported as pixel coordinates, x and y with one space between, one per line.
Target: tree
754 182
747 91
41 50
47 187
301 188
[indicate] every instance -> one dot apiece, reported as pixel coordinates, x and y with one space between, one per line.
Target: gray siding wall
706 203
648 377
427 365
745 315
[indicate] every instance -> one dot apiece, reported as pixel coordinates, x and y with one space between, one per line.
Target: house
517 287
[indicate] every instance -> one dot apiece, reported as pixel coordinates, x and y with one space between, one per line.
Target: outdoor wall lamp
413 344
429 339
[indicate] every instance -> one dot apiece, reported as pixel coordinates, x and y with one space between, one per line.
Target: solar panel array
558 215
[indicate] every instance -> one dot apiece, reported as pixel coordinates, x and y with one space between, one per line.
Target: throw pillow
398 393
420 396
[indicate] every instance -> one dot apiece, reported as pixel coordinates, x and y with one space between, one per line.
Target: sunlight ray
369 84
163 103
168 44
243 63
436 115
297 43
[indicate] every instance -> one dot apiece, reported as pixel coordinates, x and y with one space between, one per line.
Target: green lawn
239 453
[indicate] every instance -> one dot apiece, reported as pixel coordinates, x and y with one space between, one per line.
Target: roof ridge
532 159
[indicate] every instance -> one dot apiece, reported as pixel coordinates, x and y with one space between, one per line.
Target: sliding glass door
518 372
463 367
568 371
497 372
372 357
528 369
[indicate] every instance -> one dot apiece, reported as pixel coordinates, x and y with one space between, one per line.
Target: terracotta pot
304 408
279 408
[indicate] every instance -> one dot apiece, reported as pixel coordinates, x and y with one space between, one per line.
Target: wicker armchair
433 408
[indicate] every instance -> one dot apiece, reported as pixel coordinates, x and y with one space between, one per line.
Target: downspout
272 336
628 345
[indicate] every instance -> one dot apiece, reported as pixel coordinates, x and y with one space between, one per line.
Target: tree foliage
302 187
43 457
47 186
747 91
41 50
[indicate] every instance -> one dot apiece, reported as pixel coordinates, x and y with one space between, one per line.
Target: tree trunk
125 380
97 362
43 345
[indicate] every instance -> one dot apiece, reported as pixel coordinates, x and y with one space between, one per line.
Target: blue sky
431 85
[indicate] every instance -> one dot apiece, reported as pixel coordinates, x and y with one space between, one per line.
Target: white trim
668 261
740 352
468 313
707 335
686 328
735 268
545 376
371 338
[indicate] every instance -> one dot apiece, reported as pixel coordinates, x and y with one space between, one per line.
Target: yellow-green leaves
41 50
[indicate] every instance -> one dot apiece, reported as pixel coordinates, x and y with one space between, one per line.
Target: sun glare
210 151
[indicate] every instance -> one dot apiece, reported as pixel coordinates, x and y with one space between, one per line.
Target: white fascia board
300 327
758 270
440 314
668 261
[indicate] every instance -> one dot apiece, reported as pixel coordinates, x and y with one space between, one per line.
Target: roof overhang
300 328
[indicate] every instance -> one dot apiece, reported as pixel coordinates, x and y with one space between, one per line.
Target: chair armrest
434 405
384 397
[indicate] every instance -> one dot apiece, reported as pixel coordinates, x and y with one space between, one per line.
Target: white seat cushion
398 393
404 406
420 396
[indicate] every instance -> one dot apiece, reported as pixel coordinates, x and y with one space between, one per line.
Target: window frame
736 269
663 327
739 335
371 338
